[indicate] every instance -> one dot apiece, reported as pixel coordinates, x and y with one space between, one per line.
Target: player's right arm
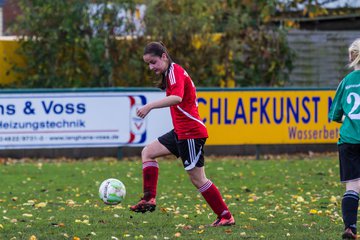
165 102
336 111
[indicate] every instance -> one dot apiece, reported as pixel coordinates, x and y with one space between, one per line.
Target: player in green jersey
345 109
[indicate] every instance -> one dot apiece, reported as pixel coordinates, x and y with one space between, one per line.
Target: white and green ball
112 191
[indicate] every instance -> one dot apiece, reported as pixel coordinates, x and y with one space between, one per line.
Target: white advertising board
79 119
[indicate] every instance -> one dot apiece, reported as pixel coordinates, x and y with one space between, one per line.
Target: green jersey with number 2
345 108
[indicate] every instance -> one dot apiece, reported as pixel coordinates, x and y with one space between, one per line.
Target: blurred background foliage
226 43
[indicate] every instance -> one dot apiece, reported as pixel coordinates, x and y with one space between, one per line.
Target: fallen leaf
313 211
41 205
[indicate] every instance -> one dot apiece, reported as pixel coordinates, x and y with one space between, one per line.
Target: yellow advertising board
268 116
8 58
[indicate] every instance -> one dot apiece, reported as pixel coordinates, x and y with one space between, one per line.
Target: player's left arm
165 102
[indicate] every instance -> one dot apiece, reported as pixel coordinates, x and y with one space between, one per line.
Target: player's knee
353 186
198 181
356 189
195 182
145 153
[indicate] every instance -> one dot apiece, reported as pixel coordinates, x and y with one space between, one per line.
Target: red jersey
185 115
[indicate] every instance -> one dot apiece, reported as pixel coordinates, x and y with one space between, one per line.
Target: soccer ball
112 191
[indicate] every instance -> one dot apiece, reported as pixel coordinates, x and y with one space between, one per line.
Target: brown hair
158 49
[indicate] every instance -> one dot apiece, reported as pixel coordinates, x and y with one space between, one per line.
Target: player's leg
212 196
150 169
197 176
349 207
192 155
350 174
353 186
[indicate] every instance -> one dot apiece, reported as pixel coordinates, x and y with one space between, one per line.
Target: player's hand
143 111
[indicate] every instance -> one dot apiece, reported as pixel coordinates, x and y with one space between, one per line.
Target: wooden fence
321 57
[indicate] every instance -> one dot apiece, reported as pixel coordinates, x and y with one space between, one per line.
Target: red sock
214 199
150 179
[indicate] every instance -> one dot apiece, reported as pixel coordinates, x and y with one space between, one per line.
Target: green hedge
220 43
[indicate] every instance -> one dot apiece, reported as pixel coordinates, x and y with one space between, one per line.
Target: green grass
270 199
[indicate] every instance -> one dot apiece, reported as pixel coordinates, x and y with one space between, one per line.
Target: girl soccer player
345 108
186 140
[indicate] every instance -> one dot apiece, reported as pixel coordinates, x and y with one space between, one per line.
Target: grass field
284 198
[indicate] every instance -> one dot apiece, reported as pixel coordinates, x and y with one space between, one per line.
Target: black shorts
191 151
349 157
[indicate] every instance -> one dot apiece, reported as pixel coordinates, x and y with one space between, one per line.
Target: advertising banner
63 120
268 116
108 119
